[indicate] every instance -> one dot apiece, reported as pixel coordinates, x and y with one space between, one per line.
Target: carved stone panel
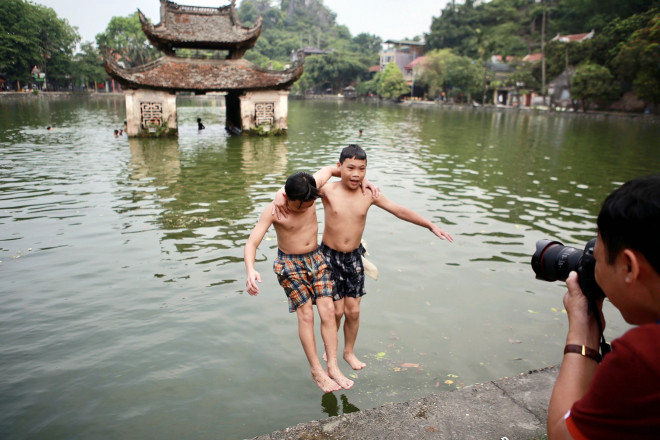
264 113
151 114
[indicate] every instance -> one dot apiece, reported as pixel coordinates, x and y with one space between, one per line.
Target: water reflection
200 199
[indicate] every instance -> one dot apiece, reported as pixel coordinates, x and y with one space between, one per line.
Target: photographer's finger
572 282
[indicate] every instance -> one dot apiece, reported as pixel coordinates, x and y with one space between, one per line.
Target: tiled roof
199 27
186 74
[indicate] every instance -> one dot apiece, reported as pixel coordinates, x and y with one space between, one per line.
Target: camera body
553 261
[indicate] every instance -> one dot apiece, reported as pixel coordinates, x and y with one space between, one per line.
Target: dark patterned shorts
303 277
347 271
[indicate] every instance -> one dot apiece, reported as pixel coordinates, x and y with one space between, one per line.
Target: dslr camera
553 261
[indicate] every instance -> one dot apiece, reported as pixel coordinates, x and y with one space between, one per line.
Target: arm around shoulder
322 176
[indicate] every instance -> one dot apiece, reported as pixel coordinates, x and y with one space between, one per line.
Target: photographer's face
612 279
602 268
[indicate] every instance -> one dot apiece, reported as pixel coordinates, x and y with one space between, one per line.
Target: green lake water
123 312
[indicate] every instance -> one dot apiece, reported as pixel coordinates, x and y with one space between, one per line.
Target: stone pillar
150 113
264 111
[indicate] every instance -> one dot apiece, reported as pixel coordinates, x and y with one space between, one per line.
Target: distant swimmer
200 126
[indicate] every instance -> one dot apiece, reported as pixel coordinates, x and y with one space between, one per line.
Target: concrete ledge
515 408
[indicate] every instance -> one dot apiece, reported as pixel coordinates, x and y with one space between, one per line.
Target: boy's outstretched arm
411 216
250 250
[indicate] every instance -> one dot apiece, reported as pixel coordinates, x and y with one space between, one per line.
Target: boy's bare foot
324 382
341 380
353 361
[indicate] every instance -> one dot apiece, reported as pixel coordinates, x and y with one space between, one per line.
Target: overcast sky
388 19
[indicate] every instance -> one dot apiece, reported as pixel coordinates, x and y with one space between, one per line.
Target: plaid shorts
303 277
347 271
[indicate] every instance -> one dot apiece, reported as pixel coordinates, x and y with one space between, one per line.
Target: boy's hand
280 208
367 185
442 234
251 284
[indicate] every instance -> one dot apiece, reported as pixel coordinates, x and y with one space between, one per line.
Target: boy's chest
347 206
298 220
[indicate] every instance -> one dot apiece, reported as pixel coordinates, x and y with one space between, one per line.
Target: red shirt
623 401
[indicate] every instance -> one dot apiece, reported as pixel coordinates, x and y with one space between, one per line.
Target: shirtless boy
302 272
346 206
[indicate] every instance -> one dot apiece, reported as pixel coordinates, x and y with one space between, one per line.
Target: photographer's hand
582 326
576 371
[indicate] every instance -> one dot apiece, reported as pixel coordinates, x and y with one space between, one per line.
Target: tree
392 84
367 44
369 87
124 35
57 41
334 70
459 76
32 35
574 16
88 66
592 83
18 40
639 60
454 29
464 77
434 71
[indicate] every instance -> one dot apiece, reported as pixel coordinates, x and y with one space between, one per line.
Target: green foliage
124 36
87 65
308 23
369 87
459 76
434 71
33 35
639 60
625 42
464 77
523 78
334 70
577 16
592 83
392 84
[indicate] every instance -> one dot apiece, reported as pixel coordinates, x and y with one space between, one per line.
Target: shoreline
508 408
592 114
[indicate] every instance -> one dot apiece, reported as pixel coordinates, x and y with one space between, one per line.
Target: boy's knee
305 313
352 313
325 306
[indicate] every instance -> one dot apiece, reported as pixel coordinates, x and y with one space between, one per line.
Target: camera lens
553 261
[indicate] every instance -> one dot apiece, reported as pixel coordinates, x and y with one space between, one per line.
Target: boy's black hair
629 218
352 152
301 186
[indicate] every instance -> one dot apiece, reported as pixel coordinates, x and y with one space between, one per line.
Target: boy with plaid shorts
346 205
302 273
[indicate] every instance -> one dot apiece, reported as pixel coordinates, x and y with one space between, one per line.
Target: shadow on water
330 406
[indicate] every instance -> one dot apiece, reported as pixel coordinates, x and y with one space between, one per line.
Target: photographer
618 398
